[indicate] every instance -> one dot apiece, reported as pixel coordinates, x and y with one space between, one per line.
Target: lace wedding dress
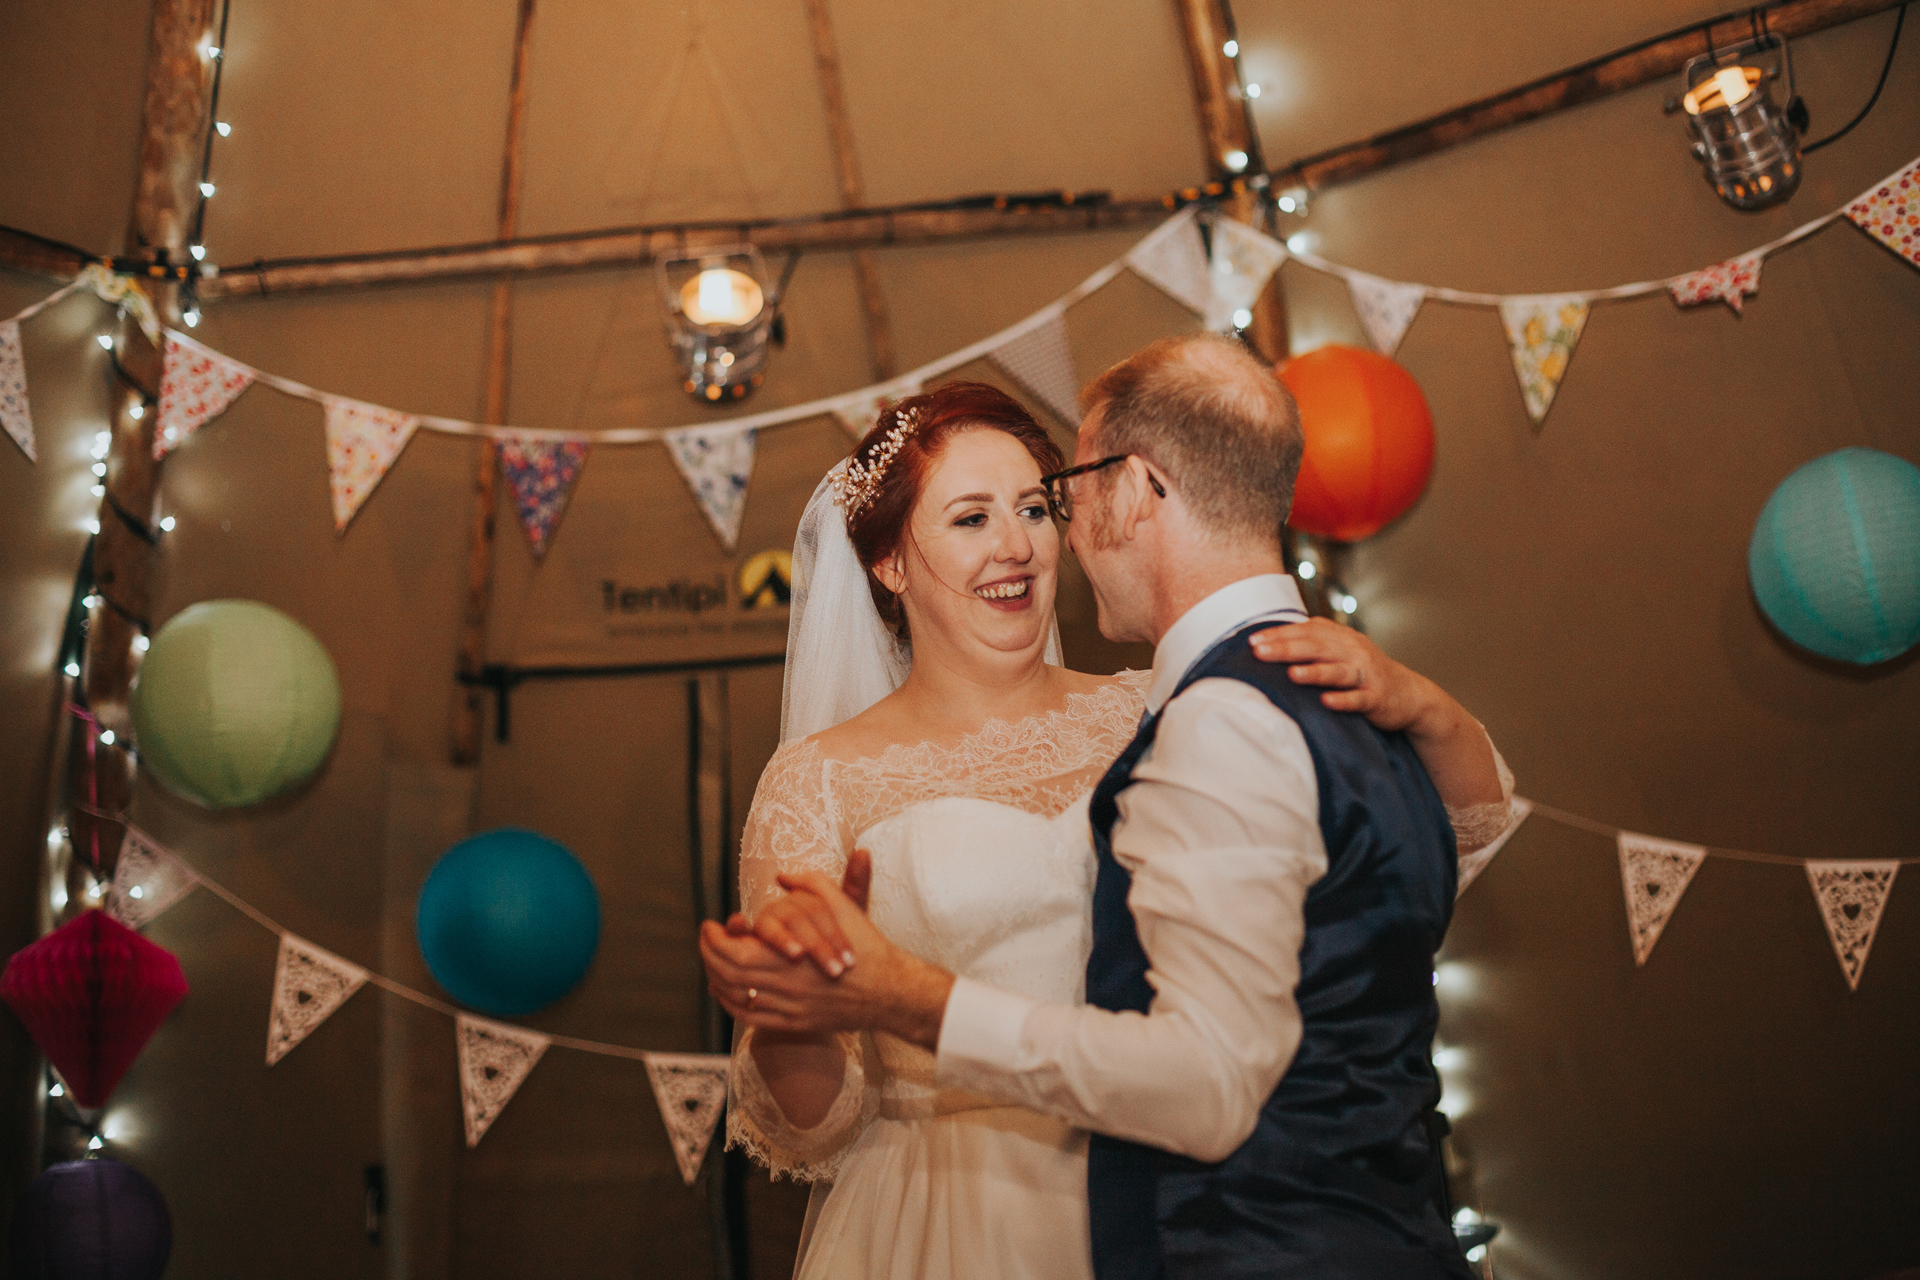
982 864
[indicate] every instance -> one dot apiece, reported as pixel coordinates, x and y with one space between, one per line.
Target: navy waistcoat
1341 1177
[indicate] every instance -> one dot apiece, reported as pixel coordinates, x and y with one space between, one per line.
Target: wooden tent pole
467 697
846 163
1225 129
1622 69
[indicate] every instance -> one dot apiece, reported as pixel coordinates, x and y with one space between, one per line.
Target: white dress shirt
1220 831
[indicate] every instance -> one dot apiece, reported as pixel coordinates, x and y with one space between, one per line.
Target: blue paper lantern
508 922
1835 556
90 1220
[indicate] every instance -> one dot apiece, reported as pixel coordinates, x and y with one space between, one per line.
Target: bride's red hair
942 413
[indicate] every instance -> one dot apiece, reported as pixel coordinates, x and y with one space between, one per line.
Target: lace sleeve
1475 826
791 827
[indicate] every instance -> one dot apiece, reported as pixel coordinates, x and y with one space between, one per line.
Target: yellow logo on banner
766 580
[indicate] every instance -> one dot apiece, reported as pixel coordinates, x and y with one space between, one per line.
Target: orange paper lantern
1369 441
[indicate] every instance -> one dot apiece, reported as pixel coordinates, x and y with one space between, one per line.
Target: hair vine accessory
854 488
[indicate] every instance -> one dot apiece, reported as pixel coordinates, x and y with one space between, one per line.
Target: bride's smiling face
979 561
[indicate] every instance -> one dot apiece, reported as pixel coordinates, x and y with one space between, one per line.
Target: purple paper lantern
90 1220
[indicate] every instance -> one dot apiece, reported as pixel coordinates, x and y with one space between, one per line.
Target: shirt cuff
982 1026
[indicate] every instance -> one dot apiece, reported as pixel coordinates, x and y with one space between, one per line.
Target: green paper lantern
236 703
1835 556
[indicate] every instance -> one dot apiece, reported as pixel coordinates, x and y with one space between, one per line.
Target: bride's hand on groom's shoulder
1356 675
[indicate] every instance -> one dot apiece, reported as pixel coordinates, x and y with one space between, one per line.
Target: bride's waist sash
917 1102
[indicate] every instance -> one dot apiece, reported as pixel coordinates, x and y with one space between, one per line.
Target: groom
1274 879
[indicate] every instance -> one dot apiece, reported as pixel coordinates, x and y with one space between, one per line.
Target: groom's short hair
1203 409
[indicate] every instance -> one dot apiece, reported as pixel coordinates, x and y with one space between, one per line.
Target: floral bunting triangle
1386 308
717 464
1851 896
362 442
1173 259
124 291
1654 874
1472 864
1890 213
859 415
196 385
494 1060
1729 282
1041 360
15 414
308 985
1543 330
146 881
691 1089
541 472
1243 261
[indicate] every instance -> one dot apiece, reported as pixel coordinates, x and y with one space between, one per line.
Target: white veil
841 658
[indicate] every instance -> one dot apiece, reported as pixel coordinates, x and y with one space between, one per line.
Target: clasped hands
812 961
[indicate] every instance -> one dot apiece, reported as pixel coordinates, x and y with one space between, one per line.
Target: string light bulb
222 128
95 1143
199 252
106 737
1231 48
137 410
141 644
1242 318
1306 571
98 491
105 340
91 525
192 317
207 189
1236 160
72 669
166 524
57 1091
1253 90
100 468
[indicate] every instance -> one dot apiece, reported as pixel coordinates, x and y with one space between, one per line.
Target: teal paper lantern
1835 556
508 922
236 703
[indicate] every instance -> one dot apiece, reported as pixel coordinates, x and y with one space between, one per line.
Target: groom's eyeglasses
1060 500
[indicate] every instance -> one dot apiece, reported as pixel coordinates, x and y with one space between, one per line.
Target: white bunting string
16 413
495 1060
1654 874
1041 360
1851 896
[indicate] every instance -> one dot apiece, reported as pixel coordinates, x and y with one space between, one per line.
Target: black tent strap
503 678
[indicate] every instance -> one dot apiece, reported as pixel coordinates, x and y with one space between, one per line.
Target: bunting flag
717 465
126 292
1543 330
494 1059
362 442
1174 261
1654 873
196 385
1729 282
1386 308
1472 864
1890 213
1851 896
859 415
1243 261
1041 360
146 881
308 985
690 1088
542 472
15 414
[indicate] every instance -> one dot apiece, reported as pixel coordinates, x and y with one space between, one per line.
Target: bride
962 762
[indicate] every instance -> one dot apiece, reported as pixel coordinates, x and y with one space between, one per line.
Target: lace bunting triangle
1729 282
1173 259
1386 308
1472 864
1243 261
541 473
691 1089
1041 360
15 414
308 985
717 465
1890 213
1542 331
861 414
494 1060
1851 896
362 442
196 385
1654 874
146 881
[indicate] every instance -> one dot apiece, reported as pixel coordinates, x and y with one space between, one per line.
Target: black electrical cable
1844 130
